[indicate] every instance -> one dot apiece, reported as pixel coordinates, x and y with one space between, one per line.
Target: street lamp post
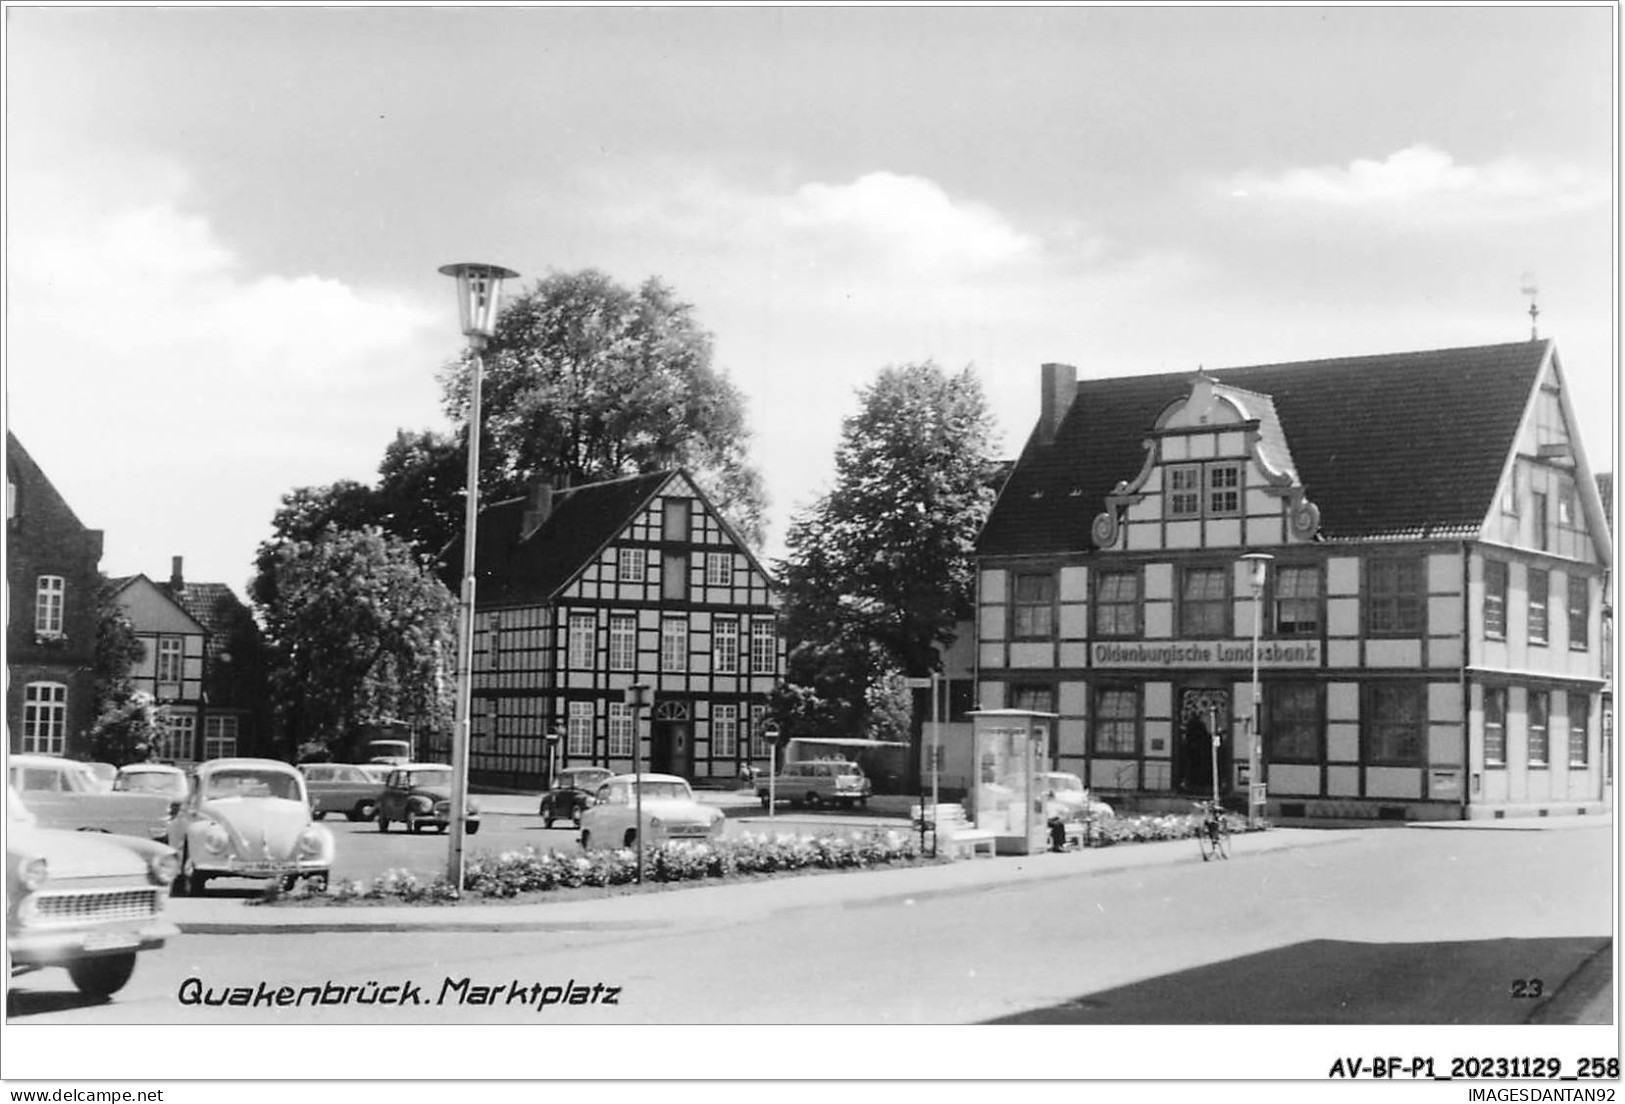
479 287
770 733
637 696
552 739
1258 563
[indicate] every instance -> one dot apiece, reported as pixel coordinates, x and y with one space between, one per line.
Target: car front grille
92 906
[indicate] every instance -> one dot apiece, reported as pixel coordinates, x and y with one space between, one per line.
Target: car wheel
318 880
547 821
383 822
630 839
472 827
364 810
586 840
103 976
190 881
318 814
289 881
812 801
767 802
575 818
412 825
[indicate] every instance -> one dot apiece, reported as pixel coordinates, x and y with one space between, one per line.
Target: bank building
1415 541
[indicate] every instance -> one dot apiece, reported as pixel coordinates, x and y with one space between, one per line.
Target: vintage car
570 793
102 775
342 788
248 818
669 812
82 900
1063 795
151 778
817 782
62 793
418 795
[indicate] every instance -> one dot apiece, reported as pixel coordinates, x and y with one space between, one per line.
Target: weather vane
1530 289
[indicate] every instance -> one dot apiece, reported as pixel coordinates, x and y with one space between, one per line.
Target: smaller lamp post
770 733
637 696
1258 563
552 739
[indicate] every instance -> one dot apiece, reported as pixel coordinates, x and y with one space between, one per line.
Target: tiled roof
215 607
1404 444
582 521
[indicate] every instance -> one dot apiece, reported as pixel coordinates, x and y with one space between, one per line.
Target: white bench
956 836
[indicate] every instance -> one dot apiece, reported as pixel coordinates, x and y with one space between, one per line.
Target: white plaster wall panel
1202 447
990 657
1258 502
1492 653
993 583
1241 616
1493 788
1343 616
1444 702
1343 653
1343 781
1445 616
1159 582
1342 575
1393 653
1183 534
992 626
1159 700
1074 653
1264 531
1342 742
1343 701
1027 656
578 680
1224 533
1159 620
1074 584
1072 735
1403 783
1072 698
1444 573
1293 778
1159 738
1444 745
991 695
1074 621
1445 652
1142 537
1158 776
1175 449
1104 773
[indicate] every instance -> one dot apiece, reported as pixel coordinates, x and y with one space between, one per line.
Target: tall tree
126 720
881 569
359 628
588 380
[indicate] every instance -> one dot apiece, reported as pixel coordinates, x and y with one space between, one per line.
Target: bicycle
1213 834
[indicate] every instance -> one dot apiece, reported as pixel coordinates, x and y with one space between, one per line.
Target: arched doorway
1201 710
671 740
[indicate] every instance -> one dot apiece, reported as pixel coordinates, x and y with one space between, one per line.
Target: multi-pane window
177 737
578 729
1184 492
583 628
1394 596
1033 605
45 718
725 646
1566 515
219 737
674 644
1537 514
1539 594
623 641
632 565
1223 489
1117 603
719 568
48 602
169 658
1116 730
620 729
724 731
1204 601
1036 696
1395 724
1294 725
764 647
1579 730
1297 601
1495 726
758 722
1539 723
1579 612
1495 599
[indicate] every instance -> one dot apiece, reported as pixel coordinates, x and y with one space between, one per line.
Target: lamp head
479 288
1259 564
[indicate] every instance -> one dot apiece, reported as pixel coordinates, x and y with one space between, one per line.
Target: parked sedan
669 812
1065 796
152 778
342 788
418 795
248 818
571 792
85 901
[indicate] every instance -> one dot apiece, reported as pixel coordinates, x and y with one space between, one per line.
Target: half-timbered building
1430 636
583 592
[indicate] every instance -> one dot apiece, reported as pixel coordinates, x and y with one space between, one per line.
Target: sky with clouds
224 224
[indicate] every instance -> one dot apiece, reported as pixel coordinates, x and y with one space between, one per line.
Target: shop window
1579 730
1495 599
1204 601
1395 723
578 729
1579 612
1495 726
49 594
1293 726
1539 720
1297 601
45 718
1116 730
1117 603
1395 599
1539 588
1033 604
623 641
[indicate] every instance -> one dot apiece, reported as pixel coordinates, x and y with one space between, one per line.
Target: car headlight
33 873
163 867
215 839
310 843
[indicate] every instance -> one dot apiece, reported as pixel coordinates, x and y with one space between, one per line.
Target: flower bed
1107 831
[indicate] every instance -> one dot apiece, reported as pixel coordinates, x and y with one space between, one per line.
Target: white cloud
1423 182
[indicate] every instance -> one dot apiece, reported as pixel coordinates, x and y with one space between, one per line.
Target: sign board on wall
1273 655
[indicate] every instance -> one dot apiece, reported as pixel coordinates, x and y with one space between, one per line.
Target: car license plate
258 868
110 941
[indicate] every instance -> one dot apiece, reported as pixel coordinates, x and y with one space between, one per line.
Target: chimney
177 581
538 505
1059 387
